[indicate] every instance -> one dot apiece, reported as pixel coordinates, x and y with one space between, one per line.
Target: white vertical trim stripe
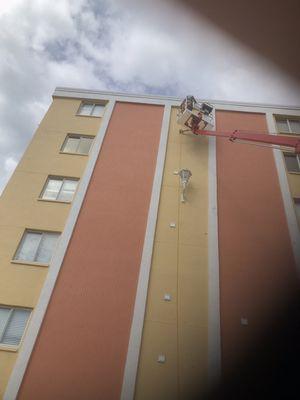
135 339
214 334
286 195
55 265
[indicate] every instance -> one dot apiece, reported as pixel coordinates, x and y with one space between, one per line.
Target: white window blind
77 144
12 325
59 189
37 247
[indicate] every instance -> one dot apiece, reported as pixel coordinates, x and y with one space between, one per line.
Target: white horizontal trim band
175 101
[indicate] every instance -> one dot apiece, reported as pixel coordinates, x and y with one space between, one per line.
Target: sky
133 46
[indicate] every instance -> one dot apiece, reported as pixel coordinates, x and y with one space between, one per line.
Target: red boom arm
285 141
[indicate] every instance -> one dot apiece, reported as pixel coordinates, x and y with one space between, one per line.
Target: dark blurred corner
271 28
270 368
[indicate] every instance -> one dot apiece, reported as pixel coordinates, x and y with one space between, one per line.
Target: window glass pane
52 189
4 313
28 247
15 328
98 110
84 146
291 163
66 196
85 109
282 125
68 190
46 247
295 126
71 145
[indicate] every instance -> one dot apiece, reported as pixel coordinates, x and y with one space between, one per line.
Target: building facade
111 287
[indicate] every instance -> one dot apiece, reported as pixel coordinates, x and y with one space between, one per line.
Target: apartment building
111 286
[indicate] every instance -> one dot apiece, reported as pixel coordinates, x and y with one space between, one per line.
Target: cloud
8 168
122 45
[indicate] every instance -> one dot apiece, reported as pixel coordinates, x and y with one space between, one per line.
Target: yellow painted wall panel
28 280
174 129
7 361
192 261
62 116
193 228
179 266
158 381
192 286
167 214
164 257
172 163
28 210
192 361
34 159
159 309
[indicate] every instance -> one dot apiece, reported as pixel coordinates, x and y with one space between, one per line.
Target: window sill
89 116
13 349
54 201
293 172
35 264
73 154
289 133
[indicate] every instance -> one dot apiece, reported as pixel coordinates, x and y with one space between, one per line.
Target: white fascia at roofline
156 99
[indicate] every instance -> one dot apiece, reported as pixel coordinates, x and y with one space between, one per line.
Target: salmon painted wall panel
257 268
81 349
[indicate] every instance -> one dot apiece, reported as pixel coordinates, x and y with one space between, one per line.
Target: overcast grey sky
123 45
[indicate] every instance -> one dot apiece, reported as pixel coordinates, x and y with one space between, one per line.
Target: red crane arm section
285 141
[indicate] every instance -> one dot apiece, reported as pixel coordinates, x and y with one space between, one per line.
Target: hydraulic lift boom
198 119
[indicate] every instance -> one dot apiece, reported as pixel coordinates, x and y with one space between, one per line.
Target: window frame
63 179
13 347
298 161
93 104
287 119
21 241
76 136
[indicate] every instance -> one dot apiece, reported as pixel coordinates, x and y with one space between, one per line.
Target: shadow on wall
270 367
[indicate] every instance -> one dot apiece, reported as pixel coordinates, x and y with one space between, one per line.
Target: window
292 162
13 322
288 125
297 207
59 189
91 109
77 144
37 247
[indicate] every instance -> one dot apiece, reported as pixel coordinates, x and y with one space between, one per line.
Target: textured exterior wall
178 328
20 208
257 269
82 345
